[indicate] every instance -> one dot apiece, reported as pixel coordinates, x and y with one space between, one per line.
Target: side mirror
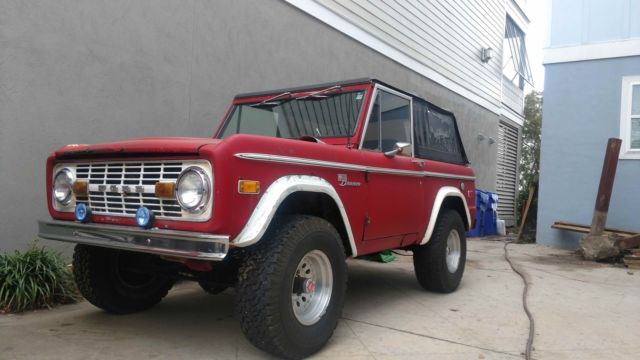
398 148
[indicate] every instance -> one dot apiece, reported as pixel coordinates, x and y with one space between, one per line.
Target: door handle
419 163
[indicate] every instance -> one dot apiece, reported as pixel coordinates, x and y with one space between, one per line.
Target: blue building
592 93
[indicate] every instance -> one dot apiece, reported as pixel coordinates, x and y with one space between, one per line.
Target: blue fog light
82 212
144 217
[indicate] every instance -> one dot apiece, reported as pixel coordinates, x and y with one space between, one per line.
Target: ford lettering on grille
120 188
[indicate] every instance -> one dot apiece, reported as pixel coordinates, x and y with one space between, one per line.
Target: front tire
439 264
291 287
108 279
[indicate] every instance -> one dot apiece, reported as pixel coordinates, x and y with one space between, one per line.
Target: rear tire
106 279
439 264
291 287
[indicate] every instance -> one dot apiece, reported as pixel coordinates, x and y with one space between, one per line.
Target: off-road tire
212 288
96 273
264 302
429 260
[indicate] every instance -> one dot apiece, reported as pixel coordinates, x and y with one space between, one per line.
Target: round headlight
192 189
63 186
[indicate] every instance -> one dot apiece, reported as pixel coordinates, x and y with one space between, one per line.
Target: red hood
143 146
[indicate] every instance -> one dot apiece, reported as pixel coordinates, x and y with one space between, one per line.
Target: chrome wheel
312 287
453 251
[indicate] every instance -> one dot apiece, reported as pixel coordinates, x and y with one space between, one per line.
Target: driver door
395 201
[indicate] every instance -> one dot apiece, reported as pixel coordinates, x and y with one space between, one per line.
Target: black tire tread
90 270
259 315
429 264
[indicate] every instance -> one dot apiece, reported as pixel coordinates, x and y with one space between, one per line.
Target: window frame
374 94
625 117
517 49
248 100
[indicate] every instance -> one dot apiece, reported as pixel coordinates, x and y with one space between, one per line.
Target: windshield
321 116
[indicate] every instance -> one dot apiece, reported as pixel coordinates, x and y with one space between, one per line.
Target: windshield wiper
322 94
271 101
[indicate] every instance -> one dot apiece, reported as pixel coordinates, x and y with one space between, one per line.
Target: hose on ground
525 291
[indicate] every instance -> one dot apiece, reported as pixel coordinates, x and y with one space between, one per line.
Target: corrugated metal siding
507 172
443 35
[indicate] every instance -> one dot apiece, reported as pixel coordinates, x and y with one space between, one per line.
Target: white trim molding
628 82
516 12
443 193
276 193
347 166
511 115
604 50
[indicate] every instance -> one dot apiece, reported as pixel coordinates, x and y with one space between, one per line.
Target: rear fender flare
441 196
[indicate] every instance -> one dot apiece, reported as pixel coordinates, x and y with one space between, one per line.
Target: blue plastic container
486 217
480 206
490 219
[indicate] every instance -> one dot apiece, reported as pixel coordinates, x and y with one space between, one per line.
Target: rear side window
436 134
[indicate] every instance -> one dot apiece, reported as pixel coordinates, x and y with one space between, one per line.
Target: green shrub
34 279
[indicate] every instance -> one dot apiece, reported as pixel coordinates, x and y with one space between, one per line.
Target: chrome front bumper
183 244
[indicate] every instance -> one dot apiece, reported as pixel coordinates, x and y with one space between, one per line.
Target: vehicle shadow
191 320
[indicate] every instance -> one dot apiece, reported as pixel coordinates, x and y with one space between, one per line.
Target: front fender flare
443 193
277 192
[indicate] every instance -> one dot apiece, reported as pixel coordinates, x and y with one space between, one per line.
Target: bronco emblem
344 181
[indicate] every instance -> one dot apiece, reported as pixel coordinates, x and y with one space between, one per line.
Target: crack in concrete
576 279
432 337
360 340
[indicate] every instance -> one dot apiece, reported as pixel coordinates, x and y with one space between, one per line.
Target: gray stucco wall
581 111
86 72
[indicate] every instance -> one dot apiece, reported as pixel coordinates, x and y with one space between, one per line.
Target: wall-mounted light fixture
486 54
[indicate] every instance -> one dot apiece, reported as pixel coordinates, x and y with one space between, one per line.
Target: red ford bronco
293 183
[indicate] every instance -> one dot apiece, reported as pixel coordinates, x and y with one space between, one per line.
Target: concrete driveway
582 311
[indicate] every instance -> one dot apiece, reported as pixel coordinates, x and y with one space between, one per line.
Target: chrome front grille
120 188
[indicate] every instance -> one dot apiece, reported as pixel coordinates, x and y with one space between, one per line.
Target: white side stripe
346 166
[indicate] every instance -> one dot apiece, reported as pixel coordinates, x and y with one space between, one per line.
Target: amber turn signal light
81 187
248 187
165 190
